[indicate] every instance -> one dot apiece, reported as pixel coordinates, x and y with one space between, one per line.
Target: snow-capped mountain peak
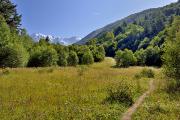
55 39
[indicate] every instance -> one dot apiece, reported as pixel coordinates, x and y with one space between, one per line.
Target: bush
62 61
121 94
147 73
72 59
98 53
141 57
62 52
13 56
125 58
43 56
153 56
87 58
173 86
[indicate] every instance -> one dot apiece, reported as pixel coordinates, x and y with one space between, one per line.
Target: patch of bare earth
127 115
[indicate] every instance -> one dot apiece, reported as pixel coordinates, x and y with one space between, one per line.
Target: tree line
17 49
163 50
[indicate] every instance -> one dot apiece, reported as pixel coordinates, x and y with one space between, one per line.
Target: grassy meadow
65 93
161 104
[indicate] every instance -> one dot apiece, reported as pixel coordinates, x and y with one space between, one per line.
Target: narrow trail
127 115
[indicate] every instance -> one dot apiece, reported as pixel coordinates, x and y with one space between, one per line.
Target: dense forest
152 20
142 33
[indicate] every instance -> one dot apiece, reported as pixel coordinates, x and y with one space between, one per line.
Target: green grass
65 93
160 105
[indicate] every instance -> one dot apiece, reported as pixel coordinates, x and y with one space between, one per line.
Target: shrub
148 73
43 56
173 86
125 58
62 52
72 59
62 61
13 56
98 53
141 57
121 94
87 58
153 56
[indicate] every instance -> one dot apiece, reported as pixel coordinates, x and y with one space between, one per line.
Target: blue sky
68 18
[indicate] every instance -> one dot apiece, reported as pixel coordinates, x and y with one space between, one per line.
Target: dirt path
127 115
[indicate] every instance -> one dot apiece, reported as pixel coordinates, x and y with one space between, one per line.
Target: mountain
53 39
152 20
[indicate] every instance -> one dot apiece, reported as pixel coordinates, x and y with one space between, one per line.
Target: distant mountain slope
64 41
152 20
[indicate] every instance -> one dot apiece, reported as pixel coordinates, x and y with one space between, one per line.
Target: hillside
152 21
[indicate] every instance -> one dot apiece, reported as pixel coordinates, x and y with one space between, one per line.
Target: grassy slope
66 93
160 105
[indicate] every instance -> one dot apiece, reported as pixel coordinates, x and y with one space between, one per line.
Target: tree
92 41
43 42
13 55
62 55
9 12
26 40
100 54
110 49
118 30
12 51
62 52
125 58
143 44
72 59
87 58
80 52
47 39
43 56
141 57
153 56
171 56
108 36
4 32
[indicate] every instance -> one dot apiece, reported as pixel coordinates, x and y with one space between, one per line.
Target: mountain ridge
129 19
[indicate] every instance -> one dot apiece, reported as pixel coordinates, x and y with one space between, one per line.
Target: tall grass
162 104
65 93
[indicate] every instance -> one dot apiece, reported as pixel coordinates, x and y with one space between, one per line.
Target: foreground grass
65 93
160 105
